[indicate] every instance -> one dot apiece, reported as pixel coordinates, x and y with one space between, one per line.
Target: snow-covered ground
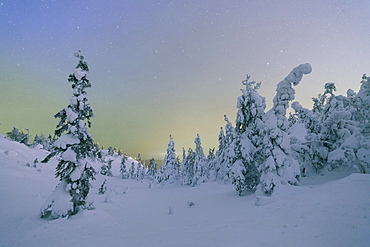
331 210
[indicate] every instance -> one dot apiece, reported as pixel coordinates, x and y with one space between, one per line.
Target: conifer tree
123 169
248 143
169 171
220 155
201 172
211 164
187 168
279 166
18 135
152 169
72 148
132 171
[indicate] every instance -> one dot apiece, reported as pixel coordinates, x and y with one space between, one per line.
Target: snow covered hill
323 211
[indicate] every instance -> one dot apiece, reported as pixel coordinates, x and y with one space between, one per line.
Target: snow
71 115
69 155
67 139
330 210
79 73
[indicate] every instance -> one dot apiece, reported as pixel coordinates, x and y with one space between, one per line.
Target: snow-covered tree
169 171
220 155
211 164
132 171
41 139
187 168
200 173
226 155
152 169
362 102
18 135
123 169
103 187
280 167
248 141
72 149
106 168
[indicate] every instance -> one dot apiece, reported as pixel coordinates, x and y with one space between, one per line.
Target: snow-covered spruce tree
220 155
307 147
123 169
211 164
347 147
106 168
227 154
362 100
201 172
169 171
187 168
132 171
140 169
72 149
280 167
41 139
248 146
18 136
152 169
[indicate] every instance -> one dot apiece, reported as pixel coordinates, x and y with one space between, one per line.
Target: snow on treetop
65 140
295 76
79 73
71 115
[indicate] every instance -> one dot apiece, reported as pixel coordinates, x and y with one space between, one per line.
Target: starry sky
170 67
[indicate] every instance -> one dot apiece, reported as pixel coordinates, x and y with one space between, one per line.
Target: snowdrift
321 212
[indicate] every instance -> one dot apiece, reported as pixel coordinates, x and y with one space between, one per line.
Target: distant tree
123 169
132 171
140 169
72 148
211 164
103 187
201 173
169 171
220 156
362 102
106 168
18 135
152 169
41 139
187 168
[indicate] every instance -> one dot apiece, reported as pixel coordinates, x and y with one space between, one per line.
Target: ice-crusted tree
226 156
362 100
248 145
123 168
72 148
280 167
18 135
106 168
343 136
152 169
220 155
211 164
169 171
309 150
41 139
132 171
201 173
187 168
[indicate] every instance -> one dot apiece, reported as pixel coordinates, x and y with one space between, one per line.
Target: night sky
170 67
